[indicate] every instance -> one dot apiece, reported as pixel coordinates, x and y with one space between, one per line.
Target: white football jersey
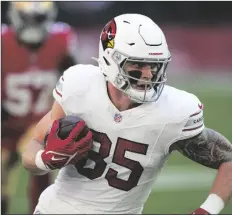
130 147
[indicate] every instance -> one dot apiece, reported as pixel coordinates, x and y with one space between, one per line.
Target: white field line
172 178
177 178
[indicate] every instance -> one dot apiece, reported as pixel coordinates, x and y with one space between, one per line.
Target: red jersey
28 78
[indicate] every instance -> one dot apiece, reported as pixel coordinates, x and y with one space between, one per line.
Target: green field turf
193 181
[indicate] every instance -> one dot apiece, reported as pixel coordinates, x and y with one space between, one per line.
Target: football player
136 121
34 51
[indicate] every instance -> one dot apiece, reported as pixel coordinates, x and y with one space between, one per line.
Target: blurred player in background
34 51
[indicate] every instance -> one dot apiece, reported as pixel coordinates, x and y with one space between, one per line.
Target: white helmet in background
134 38
32 20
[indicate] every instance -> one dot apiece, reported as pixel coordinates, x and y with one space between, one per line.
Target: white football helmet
134 38
32 20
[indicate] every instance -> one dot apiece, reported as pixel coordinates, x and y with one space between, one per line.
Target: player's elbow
29 164
28 157
27 160
225 172
226 168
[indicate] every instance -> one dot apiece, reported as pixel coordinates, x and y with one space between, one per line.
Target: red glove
59 153
200 211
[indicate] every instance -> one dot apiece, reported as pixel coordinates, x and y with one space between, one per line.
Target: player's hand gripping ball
67 142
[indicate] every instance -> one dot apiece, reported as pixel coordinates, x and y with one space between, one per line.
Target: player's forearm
29 157
213 150
221 191
222 185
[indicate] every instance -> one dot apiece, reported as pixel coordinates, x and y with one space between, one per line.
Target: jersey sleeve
193 124
72 87
58 90
65 87
190 120
68 84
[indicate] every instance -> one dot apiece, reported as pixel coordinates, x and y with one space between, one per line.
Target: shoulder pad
60 27
4 29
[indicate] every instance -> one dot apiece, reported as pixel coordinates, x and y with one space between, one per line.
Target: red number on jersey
119 158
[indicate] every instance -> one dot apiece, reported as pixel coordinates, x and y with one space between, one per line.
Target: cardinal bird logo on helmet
108 35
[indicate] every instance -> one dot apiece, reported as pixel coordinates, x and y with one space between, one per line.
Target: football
67 124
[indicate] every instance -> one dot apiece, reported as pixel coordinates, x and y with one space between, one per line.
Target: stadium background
199 35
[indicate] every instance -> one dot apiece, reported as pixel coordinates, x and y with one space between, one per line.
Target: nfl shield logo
117 117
